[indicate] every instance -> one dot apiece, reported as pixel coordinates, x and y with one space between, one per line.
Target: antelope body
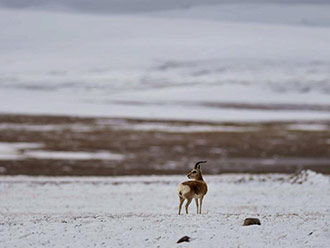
193 189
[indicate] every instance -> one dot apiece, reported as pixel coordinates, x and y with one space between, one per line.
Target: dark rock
184 239
251 221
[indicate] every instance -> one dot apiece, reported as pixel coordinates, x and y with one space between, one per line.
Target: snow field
142 212
170 63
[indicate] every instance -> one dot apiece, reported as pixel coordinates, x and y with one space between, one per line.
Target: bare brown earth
261 148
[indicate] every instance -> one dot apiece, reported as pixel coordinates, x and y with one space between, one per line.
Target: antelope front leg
180 206
200 207
187 205
196 200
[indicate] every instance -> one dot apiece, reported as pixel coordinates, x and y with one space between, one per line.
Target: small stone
184 239
251 221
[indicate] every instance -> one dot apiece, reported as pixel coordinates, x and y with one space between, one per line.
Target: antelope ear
198 166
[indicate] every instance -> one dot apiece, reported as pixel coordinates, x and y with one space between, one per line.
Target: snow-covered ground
142 212
170 64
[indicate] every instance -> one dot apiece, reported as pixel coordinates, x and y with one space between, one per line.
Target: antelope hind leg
180 206
187 205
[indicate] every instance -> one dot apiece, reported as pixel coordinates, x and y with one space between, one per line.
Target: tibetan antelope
195 188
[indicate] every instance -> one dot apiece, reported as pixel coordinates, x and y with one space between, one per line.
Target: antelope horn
197 165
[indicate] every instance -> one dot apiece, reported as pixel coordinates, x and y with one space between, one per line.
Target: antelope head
196 173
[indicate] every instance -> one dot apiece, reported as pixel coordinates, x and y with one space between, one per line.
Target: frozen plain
142 212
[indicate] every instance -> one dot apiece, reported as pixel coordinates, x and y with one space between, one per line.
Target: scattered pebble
251 221
184 239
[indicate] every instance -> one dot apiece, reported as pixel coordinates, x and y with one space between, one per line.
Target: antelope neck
200 178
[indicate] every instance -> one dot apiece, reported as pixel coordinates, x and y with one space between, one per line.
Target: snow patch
171 128
73 155
45 128
21 151
310 178
308 127
14 151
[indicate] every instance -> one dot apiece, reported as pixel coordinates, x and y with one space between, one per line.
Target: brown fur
197 188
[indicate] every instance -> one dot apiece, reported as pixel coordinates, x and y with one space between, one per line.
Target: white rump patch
183 189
